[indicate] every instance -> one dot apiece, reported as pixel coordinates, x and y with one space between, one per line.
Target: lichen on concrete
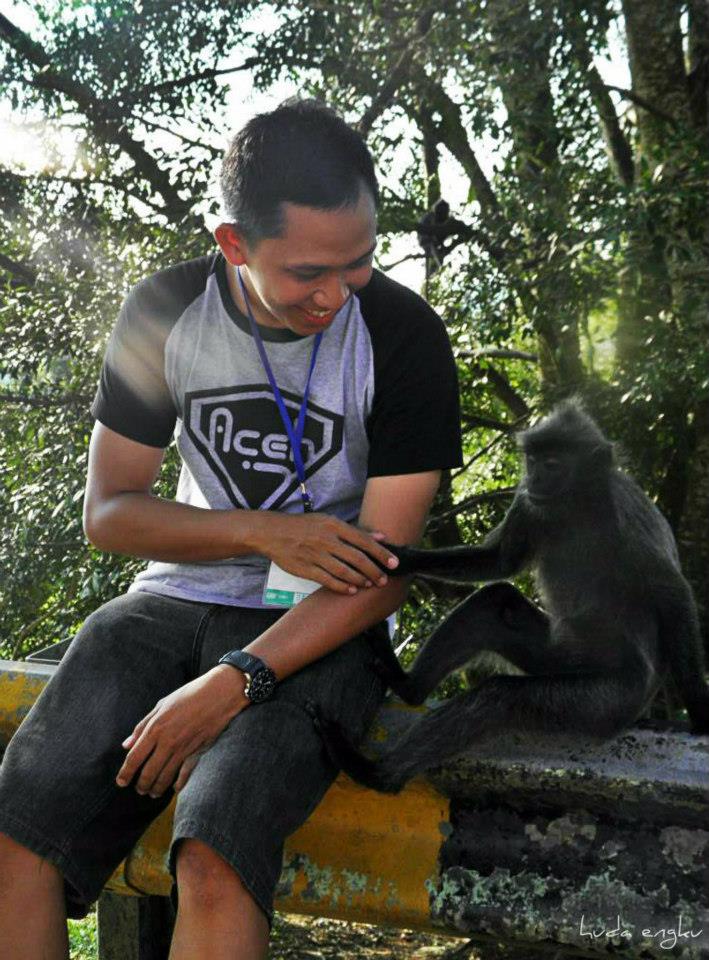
563 830
603 914
685 847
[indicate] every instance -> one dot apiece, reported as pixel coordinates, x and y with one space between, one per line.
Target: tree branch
642 102
399 72
483 451
409 256
113 182
504 390
95 110
501 386
503 493
618 146
452 134
504 354
24 274
67 400
192 78
215 151
488 423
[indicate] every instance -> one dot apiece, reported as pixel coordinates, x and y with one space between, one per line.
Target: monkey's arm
504 552
681 640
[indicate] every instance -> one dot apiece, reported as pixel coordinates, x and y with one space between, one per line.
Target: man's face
301 279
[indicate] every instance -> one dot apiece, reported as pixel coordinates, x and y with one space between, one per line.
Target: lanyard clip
307 502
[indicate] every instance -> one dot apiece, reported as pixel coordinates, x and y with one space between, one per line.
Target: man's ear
231 243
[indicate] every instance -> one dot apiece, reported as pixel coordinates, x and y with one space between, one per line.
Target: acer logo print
239 432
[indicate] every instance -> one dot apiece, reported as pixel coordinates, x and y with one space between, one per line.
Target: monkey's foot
699 721
390 672
370 773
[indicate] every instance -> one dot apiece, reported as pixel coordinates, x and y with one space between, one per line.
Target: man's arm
166 741
398 506
121 515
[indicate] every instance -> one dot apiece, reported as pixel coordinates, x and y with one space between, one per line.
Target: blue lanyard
294 435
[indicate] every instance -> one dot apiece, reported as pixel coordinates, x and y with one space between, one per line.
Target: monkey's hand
491 560
407 557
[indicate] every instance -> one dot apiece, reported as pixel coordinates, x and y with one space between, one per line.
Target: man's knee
19 866
204 877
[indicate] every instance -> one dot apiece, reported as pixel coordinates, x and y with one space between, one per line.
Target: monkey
618 617
433 229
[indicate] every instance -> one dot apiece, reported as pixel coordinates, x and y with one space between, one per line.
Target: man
305 392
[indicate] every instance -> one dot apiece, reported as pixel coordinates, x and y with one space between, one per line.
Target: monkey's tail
595 705
681 640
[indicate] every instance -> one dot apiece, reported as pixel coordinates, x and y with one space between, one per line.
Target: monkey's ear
603 456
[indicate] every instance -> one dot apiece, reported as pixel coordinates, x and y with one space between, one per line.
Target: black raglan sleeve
133 397
414 423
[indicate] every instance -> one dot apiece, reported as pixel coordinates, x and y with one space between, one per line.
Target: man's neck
261 316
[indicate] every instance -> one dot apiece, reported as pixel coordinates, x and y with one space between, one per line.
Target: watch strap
260 679
245 662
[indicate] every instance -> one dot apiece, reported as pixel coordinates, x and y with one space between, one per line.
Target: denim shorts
256 784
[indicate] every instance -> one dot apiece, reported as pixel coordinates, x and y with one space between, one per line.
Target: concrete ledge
532 849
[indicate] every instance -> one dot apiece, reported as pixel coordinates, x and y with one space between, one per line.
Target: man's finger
365 542
138 728
137 755
186 769
365 567
156 781
343 566
324 577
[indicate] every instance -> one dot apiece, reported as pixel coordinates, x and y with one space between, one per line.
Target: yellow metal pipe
361 856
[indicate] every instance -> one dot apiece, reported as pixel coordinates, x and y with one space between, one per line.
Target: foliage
83 938
579 263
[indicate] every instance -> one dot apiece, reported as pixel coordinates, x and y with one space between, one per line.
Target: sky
21 140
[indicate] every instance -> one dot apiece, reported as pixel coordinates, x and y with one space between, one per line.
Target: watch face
261 685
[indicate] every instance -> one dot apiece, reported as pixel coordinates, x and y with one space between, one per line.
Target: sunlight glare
37 147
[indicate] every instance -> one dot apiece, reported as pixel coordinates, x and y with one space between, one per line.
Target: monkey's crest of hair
568 426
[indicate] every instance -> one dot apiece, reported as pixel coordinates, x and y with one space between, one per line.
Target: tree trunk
520 56
668 265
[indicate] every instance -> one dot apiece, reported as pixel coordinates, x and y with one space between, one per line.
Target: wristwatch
260 679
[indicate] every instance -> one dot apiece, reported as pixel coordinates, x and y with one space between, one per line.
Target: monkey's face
563 472
548 475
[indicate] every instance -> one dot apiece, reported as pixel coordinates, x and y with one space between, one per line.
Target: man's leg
257 783
32 913
64 823
217 916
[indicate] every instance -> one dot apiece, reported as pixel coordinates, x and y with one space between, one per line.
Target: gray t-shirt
182 362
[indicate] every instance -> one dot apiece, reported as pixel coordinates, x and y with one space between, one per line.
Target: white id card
284 590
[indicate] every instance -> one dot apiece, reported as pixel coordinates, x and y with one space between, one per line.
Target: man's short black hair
302 152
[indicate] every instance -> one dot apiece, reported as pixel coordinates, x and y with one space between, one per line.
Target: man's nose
331 293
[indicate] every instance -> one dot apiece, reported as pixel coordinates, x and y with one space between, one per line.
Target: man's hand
320 547
180 727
